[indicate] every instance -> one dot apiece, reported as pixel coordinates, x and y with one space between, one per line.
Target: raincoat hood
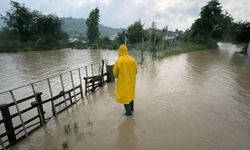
123 50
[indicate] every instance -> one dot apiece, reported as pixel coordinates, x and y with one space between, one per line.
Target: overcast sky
121 13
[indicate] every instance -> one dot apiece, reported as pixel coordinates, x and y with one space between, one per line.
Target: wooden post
142 44
81 92
110 76
86 86
39 106
8 123
93 85
102 72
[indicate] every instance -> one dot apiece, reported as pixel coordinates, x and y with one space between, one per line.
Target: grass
184 47
75 127
67 129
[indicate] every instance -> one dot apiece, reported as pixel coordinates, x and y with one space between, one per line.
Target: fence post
110 76
8 123
52 101
79 71
1 140
40 107
81 91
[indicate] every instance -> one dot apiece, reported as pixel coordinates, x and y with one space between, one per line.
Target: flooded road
197 100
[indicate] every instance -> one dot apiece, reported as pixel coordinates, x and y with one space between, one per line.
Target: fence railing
44 99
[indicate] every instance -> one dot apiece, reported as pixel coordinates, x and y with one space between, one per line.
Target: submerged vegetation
183 47
65 145
67 130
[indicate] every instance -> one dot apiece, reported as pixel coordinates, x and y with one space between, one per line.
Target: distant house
72 40
113 37
171 35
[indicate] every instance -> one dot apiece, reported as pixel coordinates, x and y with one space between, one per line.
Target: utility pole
142 44
125 40
154 52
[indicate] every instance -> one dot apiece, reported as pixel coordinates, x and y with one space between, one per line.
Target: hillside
77 26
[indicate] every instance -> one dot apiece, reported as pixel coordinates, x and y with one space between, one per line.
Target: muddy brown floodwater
198 100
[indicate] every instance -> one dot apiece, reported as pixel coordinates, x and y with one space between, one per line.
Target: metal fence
30 106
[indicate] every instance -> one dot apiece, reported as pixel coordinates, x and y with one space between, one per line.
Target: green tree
19 19
153 33
121 37
92 23
35 30
211 24
243 32
135 32
156 35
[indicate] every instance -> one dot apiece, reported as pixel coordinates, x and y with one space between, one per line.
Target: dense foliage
92 23
30 29
214 25
243 31
135 32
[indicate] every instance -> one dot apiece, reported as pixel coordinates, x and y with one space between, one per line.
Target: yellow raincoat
125 70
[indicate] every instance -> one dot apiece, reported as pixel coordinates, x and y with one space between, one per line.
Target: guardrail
24 115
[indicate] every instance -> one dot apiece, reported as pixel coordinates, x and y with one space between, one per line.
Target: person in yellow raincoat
125 70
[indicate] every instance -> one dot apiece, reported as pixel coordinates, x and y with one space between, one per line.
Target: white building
171 35
113 37
72 40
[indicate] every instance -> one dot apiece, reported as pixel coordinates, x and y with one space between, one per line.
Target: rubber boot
128 110
132 105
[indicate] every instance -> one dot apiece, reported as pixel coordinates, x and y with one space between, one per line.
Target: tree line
214 24
30 30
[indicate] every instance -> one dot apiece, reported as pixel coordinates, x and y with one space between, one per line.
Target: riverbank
40 45
184 47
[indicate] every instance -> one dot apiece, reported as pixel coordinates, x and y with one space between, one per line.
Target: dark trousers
129 107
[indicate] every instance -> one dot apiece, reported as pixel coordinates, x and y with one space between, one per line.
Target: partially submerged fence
35 103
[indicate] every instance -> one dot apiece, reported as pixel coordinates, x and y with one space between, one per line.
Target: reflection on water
126 138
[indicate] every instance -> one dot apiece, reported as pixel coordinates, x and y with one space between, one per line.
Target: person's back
125 70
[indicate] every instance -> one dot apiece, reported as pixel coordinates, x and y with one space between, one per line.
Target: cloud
238 9
121 13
